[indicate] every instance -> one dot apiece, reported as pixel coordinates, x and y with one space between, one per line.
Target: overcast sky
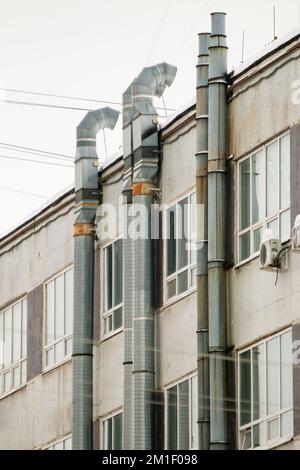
93 49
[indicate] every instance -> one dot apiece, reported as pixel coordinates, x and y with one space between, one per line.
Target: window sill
275 444
12 391
111 335
56 365
176 299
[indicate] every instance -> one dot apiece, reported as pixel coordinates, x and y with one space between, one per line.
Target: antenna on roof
243 47
274 23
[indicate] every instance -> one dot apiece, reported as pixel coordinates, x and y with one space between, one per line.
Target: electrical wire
50 95
2 188
35 161
191 31
36 150
37 154
159 28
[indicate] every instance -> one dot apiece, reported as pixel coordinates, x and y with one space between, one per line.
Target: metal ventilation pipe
86 196
152 81
202 242
216 231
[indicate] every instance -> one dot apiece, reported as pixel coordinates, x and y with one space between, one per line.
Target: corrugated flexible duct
87 196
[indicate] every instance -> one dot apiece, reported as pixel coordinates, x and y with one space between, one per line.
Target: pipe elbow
104 118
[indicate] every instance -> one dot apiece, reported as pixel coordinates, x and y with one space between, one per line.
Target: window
65 444
113 287
112 433
13 346
180 246
59 317
264 196
181 416
266 392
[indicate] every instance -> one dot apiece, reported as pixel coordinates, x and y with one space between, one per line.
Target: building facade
259 402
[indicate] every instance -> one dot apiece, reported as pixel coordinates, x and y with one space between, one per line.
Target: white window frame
60 441
107 418
110 313
21 363
190 266
65 338
263 223
266 418
176 384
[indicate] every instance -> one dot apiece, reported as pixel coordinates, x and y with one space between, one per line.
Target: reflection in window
113 286
266 393
112 432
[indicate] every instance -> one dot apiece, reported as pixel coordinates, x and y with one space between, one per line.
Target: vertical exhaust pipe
86 197
216 231
202 242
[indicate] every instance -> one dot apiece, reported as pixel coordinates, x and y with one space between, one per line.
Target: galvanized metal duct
87 196
143 160
216 231
202 236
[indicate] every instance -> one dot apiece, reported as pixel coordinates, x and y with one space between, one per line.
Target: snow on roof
267 50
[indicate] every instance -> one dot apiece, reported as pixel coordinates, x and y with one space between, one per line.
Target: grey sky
93 49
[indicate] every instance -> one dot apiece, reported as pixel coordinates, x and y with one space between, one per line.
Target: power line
50 95
37 154
44 105
35 161
191 31
159 28
2 188
36 150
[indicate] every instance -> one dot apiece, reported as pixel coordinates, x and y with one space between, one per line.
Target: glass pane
182 233
285 225
1 343
16 377
257 237
193 230
59 351
118 318
50 357
246 439
273 429
244 246
59 446
171 287
108 277
50 312
68 444
107 324
274 227
68 347
272 178
285 172
7 337
108 434
59 307
182 280
118 432
172 418
24 329
171 242
287 424
273 376
258 187
259 381
184 419
7 382
259 438
69 301
118 272
194 413
245 194
245 387
24 372
286 360
17 329
193 277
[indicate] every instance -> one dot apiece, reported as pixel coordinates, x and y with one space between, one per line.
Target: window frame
66 337
20 362
190 266
62 441
110 312
266 418
104 420
266 220
176 384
